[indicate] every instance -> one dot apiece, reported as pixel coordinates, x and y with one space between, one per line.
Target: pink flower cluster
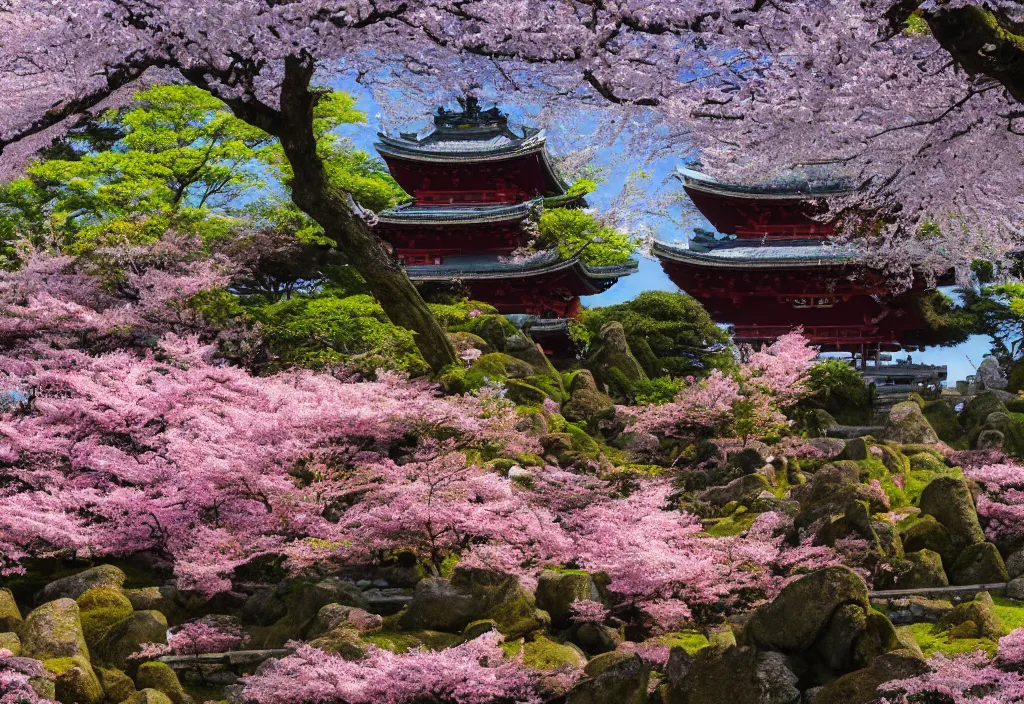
472 673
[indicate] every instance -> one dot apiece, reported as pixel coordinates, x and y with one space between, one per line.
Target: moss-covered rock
802 610
54 631
493 329
862 686
542 653
944 421
148 696
835 645
980 563
556 592
10 641
117 686
595 638
589 405
949 500
73 586
343 641
733 675
614 366
917 570
76 684
497 366
856 449
156 599
895 461
977 409
404 641
879 637
906 424
612 678
160 676
742 490
979 615
928 534
122 639
99 609
523 393
296 603
473 594
10 616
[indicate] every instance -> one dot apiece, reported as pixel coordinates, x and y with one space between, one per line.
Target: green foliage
577 233
669 333
177 160
661 389
840 390
328 331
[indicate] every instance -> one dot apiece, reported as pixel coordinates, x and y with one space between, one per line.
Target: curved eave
682 255
497 272
422 152
704 184
456 215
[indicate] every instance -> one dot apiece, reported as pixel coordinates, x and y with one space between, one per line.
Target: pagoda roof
485 267
413 214
806 181
743 254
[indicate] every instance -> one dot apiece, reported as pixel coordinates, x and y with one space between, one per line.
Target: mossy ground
934 640
735 524
690 641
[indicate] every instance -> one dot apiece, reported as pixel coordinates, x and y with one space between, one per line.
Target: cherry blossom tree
917 102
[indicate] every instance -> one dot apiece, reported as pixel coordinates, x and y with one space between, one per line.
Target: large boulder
613 678
907 425
76 682
54 631
121 640
10 616
802 610
1014 590
614 366
920 569
949 501
990 375
979 408
861 686
588 404
974 619
116 684
929 534
296 604
742 489
148 696
10 641
473 594
556 592
735 674
980 563
99 609
160 676
75 585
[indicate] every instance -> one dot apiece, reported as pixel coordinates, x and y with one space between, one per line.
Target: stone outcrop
473 594
615 368
75 585
907 425
735 674
556 592
286 612
612 678
949 501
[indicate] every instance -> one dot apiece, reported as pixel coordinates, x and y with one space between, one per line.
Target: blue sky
961 360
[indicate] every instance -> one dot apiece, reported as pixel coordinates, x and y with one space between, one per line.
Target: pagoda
477 189
772 266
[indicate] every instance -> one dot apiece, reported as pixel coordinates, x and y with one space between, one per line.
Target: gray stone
1015 589
907 425
990 375
613 678
1015 564
991 440
978 564
121 640
75 585
515 472
802 610
299 601
743 489
949 500
54 631
733 675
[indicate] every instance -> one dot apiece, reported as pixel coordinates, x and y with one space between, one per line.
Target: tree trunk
342 221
